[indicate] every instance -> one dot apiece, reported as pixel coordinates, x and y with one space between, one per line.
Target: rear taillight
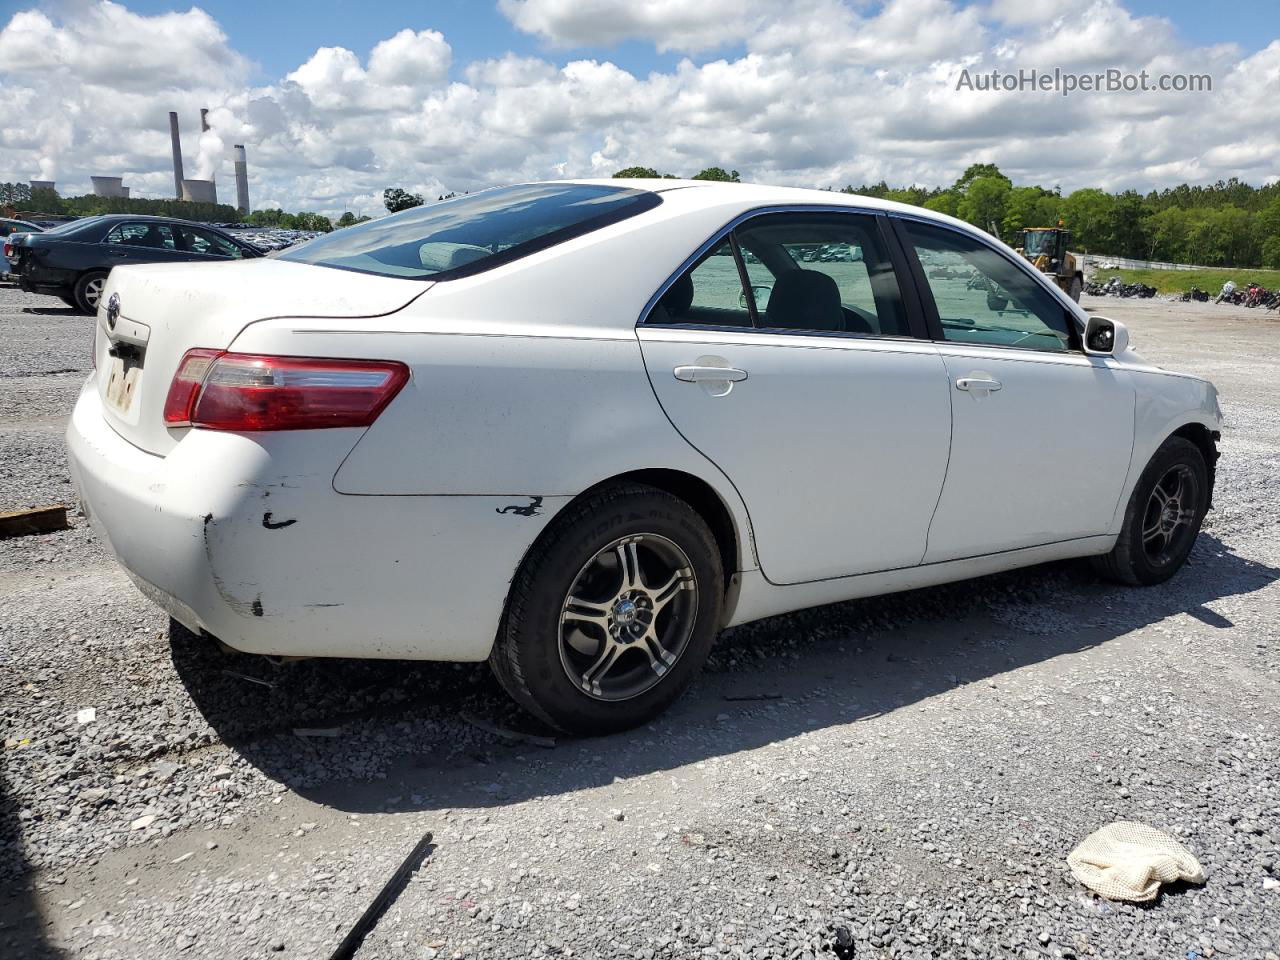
245 392
8 248
186 385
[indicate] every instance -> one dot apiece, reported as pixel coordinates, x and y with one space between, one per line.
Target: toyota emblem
113 310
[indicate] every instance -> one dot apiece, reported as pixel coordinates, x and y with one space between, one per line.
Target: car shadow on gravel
366 736
54 311
22 923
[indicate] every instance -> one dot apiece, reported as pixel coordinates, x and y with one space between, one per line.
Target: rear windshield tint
477 232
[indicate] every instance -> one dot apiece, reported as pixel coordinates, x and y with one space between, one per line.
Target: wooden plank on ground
21 523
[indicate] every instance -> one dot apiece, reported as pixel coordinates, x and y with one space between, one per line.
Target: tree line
1229 223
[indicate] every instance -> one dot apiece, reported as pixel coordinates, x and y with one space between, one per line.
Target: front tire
88 290
613 612
1075 288
1162 519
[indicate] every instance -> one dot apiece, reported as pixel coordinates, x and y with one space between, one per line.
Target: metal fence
1099 261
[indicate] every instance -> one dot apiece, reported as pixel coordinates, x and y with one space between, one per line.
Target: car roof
150 218
701 194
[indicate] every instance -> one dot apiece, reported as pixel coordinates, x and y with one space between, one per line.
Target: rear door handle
692 373
978 383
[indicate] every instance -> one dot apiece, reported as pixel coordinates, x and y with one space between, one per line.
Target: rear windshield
477 232
71 226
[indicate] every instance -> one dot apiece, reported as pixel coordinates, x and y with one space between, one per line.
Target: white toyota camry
576 428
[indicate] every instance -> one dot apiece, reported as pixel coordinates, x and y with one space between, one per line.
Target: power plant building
108 187
199 191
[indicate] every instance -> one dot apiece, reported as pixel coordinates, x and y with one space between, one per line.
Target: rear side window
474 233
802 273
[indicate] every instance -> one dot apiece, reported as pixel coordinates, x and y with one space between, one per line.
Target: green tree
395 199
312 221
1271 252
642 173
1089 216
1128 227
717 173
946 202
976 171
1168 231
346 220
1028 207
984 202
15 195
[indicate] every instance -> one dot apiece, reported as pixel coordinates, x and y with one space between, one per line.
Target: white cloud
826 93
668 24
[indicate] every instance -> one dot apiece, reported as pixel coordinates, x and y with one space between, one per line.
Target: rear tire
613 612
88 290
1162 519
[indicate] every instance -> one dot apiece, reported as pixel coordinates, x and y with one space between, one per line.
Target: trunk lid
167 309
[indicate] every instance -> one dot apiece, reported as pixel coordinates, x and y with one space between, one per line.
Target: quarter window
984 298
709 294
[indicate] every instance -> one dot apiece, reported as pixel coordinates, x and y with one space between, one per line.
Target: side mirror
1107 338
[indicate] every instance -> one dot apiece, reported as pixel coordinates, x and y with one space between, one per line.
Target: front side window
153 236
984 298
793 272
474 232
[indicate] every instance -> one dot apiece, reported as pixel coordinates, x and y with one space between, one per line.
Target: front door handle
693 373
978 383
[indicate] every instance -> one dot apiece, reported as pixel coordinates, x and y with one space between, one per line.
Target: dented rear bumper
243 537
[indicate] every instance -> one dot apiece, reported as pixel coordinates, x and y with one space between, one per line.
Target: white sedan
577 428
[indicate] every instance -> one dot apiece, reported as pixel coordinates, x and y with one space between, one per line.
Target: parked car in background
72 261
8 227
572 428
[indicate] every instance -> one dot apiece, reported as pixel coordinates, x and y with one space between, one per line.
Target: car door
1041 433
785 354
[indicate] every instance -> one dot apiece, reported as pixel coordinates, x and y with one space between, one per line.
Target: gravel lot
900 777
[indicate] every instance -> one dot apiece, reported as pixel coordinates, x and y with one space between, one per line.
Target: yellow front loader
1046 248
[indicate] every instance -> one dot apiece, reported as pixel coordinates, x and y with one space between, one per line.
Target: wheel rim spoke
586 611
660 658
629 565
680 580
592 675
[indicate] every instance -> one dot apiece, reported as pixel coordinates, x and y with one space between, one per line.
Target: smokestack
242 179
177 155
204 120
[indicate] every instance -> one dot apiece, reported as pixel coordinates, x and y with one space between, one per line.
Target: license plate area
124 378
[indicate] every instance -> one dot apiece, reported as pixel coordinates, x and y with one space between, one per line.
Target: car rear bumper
244 537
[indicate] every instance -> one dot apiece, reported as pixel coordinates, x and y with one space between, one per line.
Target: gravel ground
898 777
